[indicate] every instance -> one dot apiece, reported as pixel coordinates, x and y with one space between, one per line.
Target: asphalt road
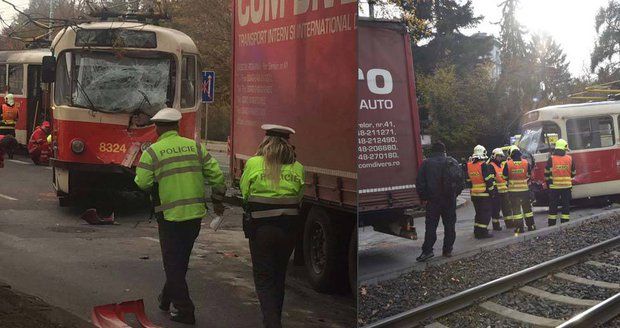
46 251
383 256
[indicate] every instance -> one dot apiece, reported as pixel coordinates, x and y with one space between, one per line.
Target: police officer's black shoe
424 256
164 306
186 318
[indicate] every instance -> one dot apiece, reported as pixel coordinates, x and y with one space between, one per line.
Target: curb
391 274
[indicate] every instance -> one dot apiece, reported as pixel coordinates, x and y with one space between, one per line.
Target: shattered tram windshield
124 84
530 139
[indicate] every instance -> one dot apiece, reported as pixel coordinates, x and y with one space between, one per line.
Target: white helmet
498 152
9 99
167 115
480 152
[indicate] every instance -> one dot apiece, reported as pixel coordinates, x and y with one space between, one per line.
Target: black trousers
502 203
559 197
484 211
177 240
271 246
521 208
444 208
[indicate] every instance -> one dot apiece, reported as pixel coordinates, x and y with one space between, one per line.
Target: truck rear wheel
325 249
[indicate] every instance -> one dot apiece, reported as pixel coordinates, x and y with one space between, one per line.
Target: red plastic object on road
92 217
113 315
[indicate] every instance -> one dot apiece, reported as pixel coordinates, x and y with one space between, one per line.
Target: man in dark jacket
440 200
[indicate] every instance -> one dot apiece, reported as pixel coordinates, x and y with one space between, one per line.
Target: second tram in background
593 134
20 75
110 78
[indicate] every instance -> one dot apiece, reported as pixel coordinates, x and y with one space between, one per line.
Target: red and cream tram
593 134
20 74
110 78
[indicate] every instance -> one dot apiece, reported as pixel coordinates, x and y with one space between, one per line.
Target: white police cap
277 130
167 115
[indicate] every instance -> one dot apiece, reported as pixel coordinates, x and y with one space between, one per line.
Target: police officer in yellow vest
177 168
272 187
559 173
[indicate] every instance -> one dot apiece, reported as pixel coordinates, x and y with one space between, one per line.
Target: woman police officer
272 187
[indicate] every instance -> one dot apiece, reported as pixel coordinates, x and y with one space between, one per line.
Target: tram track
585 267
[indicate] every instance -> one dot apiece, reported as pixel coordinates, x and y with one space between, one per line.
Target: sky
569 22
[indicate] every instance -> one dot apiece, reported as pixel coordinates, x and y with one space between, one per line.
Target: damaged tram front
109 79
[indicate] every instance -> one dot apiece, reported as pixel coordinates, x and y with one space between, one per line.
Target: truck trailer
389 142
294 64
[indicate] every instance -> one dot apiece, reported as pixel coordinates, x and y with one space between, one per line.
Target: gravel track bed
612 324
595 273
567 288
476 317
609 259
416 288
536 306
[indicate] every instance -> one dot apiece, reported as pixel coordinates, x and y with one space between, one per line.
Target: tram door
36 112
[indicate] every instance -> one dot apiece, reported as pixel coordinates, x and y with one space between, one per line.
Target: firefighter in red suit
38 146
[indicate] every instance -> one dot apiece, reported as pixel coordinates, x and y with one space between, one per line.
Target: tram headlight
77 146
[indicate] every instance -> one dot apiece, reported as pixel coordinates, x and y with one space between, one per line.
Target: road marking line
602 265
19 162
151 239
556 297
585 281
7 197
520 316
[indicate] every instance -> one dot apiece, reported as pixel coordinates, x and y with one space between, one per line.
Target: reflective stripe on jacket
518 174
180 167
478 184
561 172
500 182
265 199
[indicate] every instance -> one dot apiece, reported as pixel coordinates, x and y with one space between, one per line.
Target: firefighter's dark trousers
444 208
271 246
502 202
521 208
557 198
177 240
484 210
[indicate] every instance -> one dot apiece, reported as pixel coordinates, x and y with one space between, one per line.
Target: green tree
604 59
515 75
551 79
458 105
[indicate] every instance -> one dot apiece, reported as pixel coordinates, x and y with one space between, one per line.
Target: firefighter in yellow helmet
502 202
517 173
481 177
559 173
272 186
176 169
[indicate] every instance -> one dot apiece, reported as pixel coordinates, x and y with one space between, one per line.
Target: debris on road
92 217
113 315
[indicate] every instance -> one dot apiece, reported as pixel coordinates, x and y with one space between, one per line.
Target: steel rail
596 315
453 303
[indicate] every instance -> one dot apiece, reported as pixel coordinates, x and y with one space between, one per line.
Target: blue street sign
208 86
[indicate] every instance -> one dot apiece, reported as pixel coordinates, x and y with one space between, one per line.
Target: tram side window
16 79
188 82
550 133
590 133
3 84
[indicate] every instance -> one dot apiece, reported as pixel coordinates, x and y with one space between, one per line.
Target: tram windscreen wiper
81 88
